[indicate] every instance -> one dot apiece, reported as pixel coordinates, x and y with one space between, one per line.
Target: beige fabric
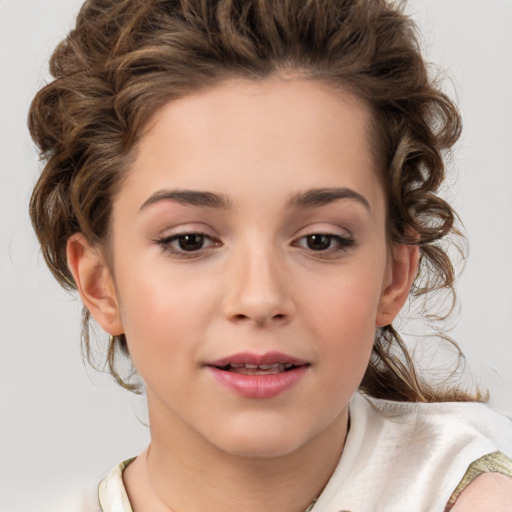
111 491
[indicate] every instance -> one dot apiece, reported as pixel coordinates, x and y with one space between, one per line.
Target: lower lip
259 386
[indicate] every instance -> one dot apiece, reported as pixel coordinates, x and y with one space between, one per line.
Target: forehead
284 108
274 133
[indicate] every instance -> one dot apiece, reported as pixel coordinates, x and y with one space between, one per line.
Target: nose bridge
257 289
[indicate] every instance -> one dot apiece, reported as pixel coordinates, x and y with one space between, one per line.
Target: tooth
236 365
288 365
251 366
269 366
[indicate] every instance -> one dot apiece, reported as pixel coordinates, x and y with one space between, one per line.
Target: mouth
271 363
255 376
258 369
259 376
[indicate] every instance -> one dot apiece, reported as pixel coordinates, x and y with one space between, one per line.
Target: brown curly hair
126 58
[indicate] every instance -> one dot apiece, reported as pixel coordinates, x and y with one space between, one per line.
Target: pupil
191 242
318 242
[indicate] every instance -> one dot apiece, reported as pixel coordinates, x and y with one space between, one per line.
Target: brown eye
187 244
319 242
326 244
190 242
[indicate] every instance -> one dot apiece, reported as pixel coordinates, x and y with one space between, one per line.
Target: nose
258 290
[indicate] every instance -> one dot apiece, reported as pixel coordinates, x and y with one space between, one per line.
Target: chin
262 441
261 448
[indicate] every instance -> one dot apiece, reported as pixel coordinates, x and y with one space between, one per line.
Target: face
250 262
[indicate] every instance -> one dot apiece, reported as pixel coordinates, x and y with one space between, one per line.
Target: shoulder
486 485
436 448
459 422
489 491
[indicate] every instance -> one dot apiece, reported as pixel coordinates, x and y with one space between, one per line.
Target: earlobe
94 282
401 274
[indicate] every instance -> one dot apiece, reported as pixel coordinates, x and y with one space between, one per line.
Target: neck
185 472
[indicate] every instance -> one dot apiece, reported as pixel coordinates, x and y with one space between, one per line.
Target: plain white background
63 426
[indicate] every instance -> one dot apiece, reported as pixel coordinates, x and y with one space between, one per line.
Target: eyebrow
313 198
189 197
316 198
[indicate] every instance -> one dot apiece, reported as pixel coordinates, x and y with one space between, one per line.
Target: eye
190 242
319 242
323 242
186 244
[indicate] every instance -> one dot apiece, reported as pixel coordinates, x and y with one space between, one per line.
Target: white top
398 456
410 456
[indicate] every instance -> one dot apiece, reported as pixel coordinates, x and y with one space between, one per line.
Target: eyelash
166 244
342 244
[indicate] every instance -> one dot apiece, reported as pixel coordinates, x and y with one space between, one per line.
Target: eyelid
165 241
187 228
343 239
324 228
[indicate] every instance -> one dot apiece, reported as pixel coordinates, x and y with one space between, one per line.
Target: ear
402 269
94 283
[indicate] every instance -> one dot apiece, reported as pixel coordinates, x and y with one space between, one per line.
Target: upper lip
258 359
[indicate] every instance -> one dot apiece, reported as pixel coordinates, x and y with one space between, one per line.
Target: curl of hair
126 58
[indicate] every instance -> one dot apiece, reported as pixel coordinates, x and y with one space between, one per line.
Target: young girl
244 193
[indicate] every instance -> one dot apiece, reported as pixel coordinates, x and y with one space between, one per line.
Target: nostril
260 319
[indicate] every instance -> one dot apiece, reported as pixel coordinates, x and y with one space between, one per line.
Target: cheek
347 332
164 313
342 314
348 340
349 298
155 294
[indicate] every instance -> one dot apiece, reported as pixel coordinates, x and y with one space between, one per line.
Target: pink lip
258 386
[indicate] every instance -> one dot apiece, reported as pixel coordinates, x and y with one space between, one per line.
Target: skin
490 491
255 284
